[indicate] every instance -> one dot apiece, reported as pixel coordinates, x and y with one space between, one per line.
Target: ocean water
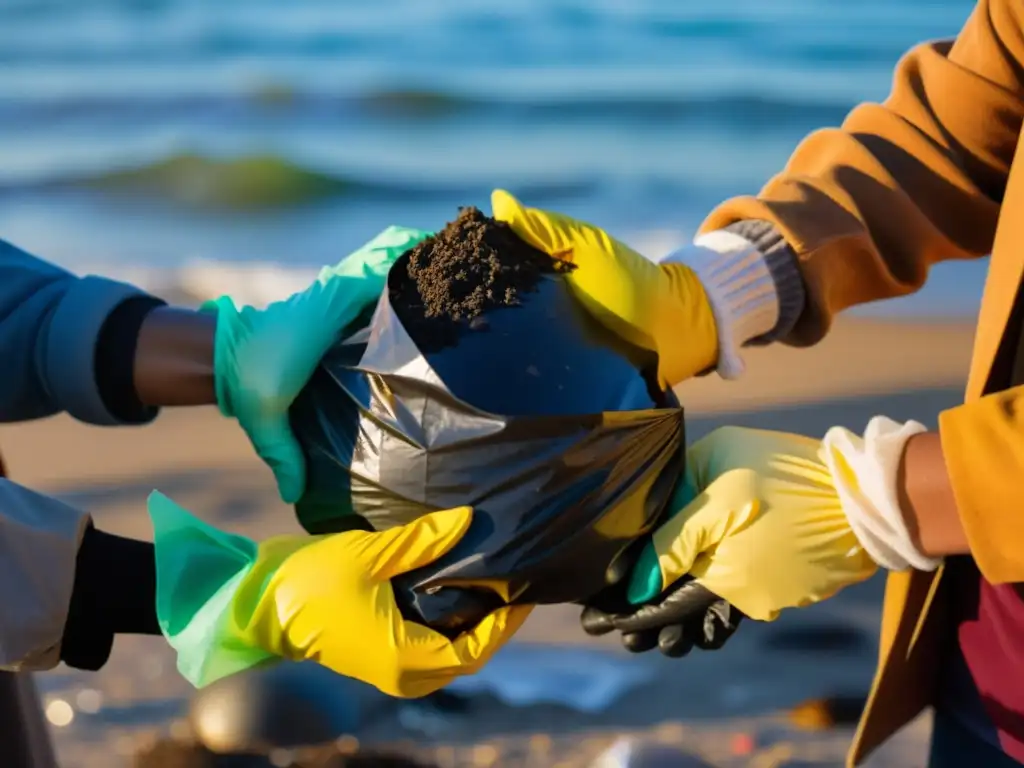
236 146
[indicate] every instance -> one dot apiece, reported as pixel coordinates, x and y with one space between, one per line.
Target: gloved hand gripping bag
543 422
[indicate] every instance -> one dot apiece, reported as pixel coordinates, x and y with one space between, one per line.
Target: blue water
638 115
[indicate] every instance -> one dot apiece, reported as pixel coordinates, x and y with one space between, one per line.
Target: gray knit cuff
782 265
739 289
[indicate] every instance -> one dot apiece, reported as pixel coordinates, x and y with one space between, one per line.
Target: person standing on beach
109 354
769 521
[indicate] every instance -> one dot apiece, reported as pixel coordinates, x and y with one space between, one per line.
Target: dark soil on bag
444 286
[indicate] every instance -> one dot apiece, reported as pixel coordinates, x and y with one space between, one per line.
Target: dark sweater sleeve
50 324
115 360
114 593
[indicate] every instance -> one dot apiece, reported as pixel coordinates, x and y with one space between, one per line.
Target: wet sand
728 707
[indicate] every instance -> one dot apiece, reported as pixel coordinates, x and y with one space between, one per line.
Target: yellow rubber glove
662 308
226 603
763 527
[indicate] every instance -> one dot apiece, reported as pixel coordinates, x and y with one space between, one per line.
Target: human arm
109 354
927 500
956 489
254 362
173 362
68 344
688 613
103 351
859 213
771 521
226 603
60 335
67 588
869 207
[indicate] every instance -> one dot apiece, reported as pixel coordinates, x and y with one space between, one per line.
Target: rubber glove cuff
739 288
865 471
234 324
200 572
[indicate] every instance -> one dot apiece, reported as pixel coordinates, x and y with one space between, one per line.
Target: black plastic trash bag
543 422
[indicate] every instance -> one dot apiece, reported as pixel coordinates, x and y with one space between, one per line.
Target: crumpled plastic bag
546 424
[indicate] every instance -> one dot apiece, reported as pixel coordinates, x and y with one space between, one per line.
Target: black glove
685 615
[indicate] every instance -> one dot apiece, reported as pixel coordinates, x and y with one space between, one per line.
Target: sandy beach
728 707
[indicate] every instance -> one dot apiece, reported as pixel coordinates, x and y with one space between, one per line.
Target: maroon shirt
982 686
983 681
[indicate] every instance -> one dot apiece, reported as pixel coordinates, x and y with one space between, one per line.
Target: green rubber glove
264 357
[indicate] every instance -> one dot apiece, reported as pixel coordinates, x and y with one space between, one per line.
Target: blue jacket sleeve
50 326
